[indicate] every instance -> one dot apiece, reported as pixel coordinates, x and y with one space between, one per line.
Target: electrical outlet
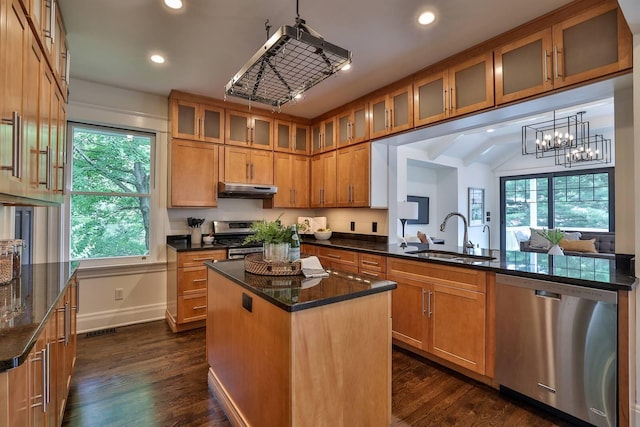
119 294
353 226
374 227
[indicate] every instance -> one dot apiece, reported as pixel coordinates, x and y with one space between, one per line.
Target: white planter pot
555 250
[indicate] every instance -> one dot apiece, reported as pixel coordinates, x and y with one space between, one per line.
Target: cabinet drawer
372 273
192 279
462 278
197 258
372 262
192 307
340 256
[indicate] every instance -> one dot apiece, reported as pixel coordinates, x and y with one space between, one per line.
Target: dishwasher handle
547 294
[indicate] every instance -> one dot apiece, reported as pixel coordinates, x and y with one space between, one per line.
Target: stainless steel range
232 234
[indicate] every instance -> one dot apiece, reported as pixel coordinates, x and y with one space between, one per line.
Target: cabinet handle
334 256
67 323
429 305
15 122
322 196
451 106
545 57
49 167
364 261
46 371
203 259
253 170
444 101
392 122
77 296
199 307
422 298
369 273
294 196
555 62
67 66
248 174
199 280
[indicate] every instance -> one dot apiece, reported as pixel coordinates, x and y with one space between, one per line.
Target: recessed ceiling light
426 18
346 67
490 130
158 59
173 4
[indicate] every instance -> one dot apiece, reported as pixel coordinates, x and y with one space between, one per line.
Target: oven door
240 253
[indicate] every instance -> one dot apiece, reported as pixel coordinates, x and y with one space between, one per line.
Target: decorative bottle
294 245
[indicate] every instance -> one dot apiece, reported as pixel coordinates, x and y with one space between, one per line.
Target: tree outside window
110 192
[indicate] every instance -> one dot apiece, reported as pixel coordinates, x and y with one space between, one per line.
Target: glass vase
275 252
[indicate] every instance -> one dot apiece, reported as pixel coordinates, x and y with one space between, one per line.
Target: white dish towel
311 267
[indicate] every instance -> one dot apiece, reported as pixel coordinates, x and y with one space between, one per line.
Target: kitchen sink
451 256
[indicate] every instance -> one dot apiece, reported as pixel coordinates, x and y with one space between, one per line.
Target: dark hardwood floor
144 375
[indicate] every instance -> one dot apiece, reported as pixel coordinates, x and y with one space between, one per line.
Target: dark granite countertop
295 293
600 273
26 304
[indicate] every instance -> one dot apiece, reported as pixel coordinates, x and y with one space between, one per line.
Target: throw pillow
537 241
579 245
572 235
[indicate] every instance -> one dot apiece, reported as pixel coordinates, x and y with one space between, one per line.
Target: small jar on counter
17 245
6 263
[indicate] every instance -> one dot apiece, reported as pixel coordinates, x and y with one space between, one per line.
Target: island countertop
295 293
28 302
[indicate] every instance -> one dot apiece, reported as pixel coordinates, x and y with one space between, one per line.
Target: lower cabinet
187 287
338 259
440 310
35 392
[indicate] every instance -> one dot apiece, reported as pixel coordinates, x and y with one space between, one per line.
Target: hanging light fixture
592 149
550 138
292 61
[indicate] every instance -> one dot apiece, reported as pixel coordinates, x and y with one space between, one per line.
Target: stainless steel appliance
557 344
231 234
246 191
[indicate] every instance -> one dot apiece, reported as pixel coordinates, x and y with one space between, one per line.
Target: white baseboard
114 318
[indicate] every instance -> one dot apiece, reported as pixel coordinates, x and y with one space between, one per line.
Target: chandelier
567 139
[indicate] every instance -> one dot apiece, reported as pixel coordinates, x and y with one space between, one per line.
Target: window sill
120 270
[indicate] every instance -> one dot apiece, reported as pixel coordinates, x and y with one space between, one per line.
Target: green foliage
110 204
269 232
554 236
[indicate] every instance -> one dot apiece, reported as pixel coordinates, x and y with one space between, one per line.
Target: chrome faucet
467 243
487 228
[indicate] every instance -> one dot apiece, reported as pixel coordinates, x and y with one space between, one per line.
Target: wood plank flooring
144 375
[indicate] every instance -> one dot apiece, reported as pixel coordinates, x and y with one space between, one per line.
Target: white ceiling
208 41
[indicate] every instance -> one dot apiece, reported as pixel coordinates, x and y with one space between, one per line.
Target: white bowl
322 235
207 240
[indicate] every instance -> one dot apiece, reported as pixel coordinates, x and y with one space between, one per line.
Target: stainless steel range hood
245 191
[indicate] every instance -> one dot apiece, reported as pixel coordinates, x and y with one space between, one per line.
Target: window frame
610 171
154 220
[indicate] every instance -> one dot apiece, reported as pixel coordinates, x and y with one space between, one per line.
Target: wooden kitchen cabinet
187 287
248 166
338 259
460 89
353 169
323 180
291 137
193 174
591 44
291 176
372 265
391 112
246 129
440 310
353 125
196 121
323 135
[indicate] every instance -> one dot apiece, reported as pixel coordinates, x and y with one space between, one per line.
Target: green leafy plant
269 232
554 236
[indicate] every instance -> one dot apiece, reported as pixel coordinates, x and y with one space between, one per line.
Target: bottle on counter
294 245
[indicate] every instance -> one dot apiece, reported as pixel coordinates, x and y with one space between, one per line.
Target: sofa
605 244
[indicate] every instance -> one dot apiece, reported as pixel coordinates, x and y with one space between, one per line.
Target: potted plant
274 237
554 236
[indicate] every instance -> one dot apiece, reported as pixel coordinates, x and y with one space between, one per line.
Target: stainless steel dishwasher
557 344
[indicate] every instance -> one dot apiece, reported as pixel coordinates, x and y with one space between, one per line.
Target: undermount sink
452 256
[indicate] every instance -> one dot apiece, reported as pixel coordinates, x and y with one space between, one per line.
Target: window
110 192
576 200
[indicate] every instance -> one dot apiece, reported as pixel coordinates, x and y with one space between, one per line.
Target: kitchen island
290 351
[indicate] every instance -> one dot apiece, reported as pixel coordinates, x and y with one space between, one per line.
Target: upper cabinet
193 174
323 135
588 45
461 88
353 125
247 129
196 121
291 137
353 169
247 166
391 112
291 176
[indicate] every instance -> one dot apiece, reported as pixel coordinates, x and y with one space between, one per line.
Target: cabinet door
330 179
472 85
301 138
193 174
360 175
18 397
300 181
401 113
316 137
343 186
360 123
379 123
283 136
458 326
211 123
343 134
261 167
523 68
184 119
317 181
237 164
261 132
408 312
38 381
591 44
329 134
282 179
31 123
237 128
430 98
